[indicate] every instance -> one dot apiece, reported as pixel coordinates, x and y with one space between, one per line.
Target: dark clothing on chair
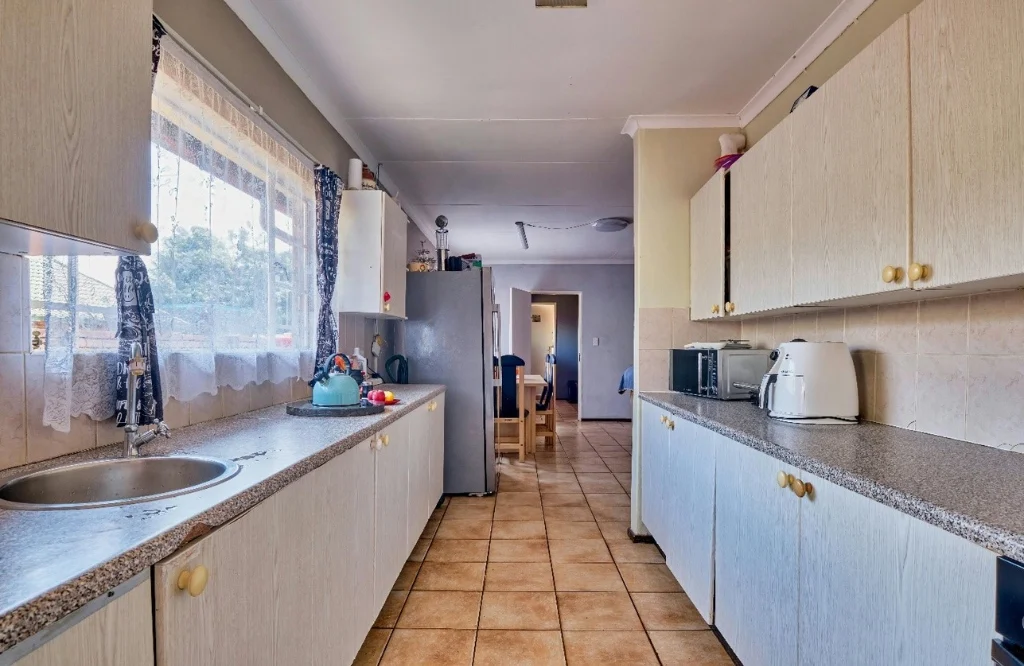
509 363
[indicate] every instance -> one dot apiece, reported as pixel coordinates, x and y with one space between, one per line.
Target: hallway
543 572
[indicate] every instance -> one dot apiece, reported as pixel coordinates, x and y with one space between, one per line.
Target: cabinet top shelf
970 490
112 545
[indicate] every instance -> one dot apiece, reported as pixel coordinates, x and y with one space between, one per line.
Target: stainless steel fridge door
489 308
447 342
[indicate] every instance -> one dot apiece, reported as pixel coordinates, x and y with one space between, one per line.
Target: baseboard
640 538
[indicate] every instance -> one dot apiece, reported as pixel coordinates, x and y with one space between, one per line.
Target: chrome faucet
132 439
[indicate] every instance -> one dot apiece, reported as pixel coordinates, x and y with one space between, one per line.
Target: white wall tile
683 331
13 449
862 328
942 395
831 326
262 395
896 390
897 328
997 323
14 333
236 401
805 326
653 370
864 365
656 326
724 329
205 407
995 393
943 326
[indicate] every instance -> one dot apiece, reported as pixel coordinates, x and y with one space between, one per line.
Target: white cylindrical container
355 174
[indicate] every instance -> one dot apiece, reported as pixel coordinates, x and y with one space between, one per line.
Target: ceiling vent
561 3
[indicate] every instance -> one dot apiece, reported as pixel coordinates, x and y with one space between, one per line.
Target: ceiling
493 111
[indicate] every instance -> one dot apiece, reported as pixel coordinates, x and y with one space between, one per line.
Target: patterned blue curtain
328 200
136 323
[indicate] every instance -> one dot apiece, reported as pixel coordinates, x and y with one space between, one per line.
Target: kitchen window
233 272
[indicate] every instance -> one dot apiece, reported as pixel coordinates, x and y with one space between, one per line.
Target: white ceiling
493 111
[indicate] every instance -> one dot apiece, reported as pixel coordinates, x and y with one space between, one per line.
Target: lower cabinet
300 578
118 634
829 577
436 421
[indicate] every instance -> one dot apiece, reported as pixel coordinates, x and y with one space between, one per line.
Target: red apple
376 396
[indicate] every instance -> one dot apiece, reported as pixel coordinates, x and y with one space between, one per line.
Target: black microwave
714 373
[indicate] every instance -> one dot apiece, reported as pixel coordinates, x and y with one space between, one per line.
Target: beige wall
211 28
951 367
872 23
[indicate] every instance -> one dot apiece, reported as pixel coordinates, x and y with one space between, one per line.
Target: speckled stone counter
53 562
970 490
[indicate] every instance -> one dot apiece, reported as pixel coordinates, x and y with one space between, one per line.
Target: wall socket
597 341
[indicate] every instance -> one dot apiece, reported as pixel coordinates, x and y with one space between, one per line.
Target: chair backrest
510 367
547 396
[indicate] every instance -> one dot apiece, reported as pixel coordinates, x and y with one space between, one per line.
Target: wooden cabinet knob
714 309
387 307
730 306
147 231
782 479
194 581
664 419
892 274
386 439
918 272
798 487
379 443
671 425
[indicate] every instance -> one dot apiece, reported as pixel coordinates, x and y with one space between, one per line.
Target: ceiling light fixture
605 224
610 224
522 235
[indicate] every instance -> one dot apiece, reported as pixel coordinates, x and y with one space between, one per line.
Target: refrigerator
451 337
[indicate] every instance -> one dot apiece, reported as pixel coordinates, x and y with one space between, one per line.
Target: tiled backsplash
952 367
24 438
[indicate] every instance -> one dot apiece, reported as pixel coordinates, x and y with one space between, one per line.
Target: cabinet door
756 557
851 176
436 452
692 505
343 560
74 133
391 493
707 250
946 602
967 139
252 608
653 442
360 229
396 228
760 266
119 634
419 504
850 575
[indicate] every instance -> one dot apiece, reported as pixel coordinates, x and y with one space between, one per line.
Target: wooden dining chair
514 419
546 404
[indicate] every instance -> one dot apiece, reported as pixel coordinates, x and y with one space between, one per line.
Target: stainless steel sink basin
111 482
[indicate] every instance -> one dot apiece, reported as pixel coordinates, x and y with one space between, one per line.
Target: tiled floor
543 572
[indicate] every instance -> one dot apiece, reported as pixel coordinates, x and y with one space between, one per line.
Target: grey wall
213 29
567 310
606 313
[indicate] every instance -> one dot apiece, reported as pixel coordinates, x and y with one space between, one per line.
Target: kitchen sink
112 482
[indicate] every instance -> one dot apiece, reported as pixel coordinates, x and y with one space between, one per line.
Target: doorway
542 333
566 310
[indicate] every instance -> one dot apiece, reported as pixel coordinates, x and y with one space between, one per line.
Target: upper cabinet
760 265
74 127
708 248
967 87
851 176
372 233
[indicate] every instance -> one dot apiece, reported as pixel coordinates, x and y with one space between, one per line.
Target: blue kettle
334 385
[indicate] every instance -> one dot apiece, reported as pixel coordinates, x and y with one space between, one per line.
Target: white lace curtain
233 274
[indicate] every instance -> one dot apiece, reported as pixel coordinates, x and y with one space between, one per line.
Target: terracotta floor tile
619 464
469 512
615 454
667 611
690 648
561 466
440 610
518 513
519 648
388 615
648 578
430 529
525 550
518 529
464 500
519 610
564 499
554 477
561 529
464 529
576 514
462 576
587 577
560 487
407 576
438 513
599 483
443 647
608 512
614 531
589 466
372 648
518 577
518 499
419 551
607 499
458 550
597 611
579 550
509 484
627 551
608 648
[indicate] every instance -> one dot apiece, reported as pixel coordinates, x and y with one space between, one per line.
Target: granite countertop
54 562
970 490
